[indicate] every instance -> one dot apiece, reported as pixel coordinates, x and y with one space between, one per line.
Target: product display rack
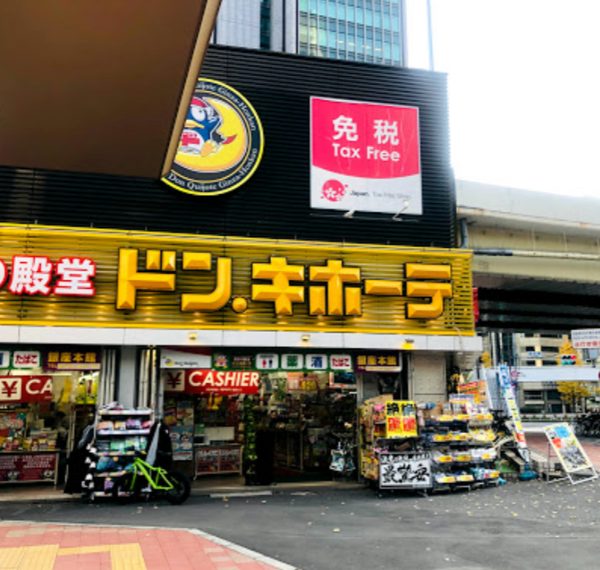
27 455
462 451
380 447
454 447
119 435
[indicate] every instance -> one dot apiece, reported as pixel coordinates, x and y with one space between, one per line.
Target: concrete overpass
537 258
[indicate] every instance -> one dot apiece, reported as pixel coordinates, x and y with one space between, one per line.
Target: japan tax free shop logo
221 144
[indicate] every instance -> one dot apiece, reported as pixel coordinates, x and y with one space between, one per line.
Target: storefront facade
297 325
266 286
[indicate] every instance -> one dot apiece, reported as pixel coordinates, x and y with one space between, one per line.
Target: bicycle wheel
181 488
121 490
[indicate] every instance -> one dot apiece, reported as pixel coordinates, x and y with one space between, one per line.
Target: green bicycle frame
156 477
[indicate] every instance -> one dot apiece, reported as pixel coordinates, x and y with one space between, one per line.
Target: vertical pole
430 36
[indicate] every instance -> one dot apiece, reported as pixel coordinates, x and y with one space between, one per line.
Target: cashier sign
365 157
206 381
25 389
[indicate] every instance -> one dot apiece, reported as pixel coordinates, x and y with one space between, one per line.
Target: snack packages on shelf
444 478
464 478
482 474
105 425
462 456
482 435
441 457
484 454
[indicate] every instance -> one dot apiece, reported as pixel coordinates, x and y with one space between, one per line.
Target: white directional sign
585 338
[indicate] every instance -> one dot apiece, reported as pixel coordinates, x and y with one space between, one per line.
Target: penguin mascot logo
221 144
200 134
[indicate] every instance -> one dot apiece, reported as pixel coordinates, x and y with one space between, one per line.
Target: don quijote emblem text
221 144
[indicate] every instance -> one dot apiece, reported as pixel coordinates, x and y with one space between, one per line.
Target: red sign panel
37 275
28 467
17 389
365 156
222 382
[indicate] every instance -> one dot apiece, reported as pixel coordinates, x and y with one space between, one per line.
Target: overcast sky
524 89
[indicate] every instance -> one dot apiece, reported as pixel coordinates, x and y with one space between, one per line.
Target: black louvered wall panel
548 312
276 200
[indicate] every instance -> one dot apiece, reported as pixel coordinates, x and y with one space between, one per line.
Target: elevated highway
536 258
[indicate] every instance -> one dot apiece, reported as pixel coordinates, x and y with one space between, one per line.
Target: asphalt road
520 526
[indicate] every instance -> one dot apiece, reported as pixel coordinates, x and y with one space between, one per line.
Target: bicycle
142 479
587 424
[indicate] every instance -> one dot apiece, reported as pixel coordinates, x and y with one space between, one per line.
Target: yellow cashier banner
84 277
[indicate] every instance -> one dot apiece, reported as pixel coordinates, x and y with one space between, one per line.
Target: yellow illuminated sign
213 282
330 299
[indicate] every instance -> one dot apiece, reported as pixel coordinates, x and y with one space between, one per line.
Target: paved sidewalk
35 546
539 443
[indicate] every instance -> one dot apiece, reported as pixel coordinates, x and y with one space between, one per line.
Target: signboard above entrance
229 283
185 359
379 362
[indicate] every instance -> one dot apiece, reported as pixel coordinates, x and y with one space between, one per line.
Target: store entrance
46 400
301 417
285 432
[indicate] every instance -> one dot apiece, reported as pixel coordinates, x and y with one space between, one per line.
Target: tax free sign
365 157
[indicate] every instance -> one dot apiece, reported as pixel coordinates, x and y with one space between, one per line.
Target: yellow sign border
142 238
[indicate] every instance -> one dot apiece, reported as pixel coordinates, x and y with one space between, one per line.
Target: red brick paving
87 547
539 443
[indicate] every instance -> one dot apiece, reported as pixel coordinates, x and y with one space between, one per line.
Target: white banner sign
398 470
508 395
181 359
585 338
524 374
26 359
267 361
4 359
316 362
292 361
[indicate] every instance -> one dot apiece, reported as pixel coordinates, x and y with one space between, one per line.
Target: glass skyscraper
358 30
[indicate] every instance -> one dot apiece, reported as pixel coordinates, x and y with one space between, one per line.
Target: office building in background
371 31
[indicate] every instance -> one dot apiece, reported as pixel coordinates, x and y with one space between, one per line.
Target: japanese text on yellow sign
213 282
333 288
400 419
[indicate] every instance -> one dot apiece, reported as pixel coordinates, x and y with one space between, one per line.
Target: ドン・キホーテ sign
233 283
